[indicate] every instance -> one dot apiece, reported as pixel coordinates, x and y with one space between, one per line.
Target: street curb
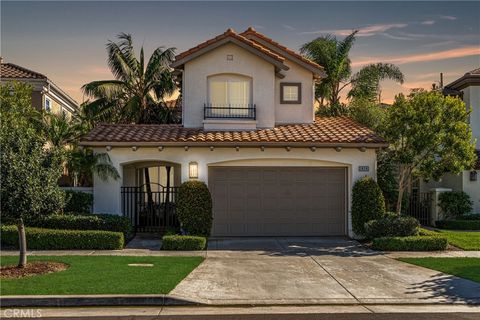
95 301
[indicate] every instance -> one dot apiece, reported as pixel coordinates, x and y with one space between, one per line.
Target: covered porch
148 195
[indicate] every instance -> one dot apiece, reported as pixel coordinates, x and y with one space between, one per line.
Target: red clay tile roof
251 32
12 71
335 130
226 34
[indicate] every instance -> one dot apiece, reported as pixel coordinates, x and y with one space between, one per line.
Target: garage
278 201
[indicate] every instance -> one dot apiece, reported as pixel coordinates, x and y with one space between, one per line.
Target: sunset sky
66 40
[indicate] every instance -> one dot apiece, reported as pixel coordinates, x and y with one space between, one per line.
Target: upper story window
48 104
229 96
290 92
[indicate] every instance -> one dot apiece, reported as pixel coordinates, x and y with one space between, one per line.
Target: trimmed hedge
392 225
78 201
105 222
367 204
194 208
469 217
48 239
458 224
178 242
413 243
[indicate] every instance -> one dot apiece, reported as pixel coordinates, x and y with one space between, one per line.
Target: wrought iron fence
420 207
150 210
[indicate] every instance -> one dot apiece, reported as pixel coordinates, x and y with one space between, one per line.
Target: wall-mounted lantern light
473 175
193 170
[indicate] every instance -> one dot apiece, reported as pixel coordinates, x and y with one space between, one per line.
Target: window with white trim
48 106
230 92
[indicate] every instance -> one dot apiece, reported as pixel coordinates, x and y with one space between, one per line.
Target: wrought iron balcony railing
229 111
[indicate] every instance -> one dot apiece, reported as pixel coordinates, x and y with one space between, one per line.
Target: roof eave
280 144
229 39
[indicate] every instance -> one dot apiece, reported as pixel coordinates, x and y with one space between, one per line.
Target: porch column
437 213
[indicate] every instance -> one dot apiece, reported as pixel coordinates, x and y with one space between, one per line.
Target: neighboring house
468 88
248 131
46 95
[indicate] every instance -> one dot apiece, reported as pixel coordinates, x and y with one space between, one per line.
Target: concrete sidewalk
344 312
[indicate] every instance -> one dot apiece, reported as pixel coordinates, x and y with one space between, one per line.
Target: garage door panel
278 201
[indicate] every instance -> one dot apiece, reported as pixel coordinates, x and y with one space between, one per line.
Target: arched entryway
148 195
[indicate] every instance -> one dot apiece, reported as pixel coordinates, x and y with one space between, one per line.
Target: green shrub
182 243
455 204
78 201
426 232
458 224
49 239
105 222
367 204
392 225
412 243
194 208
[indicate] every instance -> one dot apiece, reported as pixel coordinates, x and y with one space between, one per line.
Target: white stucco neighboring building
468 88
249 132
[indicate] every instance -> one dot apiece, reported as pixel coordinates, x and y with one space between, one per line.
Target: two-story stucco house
46 95
249 132
468 88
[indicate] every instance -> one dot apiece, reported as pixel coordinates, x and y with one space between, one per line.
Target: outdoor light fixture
288 149
193 170
108 148
212 148
473 175
134 148
363 149
160 148
313 149
338 149
262 148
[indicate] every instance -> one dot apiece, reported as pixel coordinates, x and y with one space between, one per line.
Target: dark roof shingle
340 130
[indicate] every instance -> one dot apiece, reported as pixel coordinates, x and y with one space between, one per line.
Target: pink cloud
422 57
428 22
363 32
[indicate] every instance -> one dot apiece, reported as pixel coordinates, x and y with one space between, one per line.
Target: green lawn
462 239
102 275
468 268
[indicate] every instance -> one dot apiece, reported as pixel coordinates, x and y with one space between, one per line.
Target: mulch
31 269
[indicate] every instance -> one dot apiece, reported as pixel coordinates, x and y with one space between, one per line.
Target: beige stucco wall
471 96
472 188
215 62
295 113
107 193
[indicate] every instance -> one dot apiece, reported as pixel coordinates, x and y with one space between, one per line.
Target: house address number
363 168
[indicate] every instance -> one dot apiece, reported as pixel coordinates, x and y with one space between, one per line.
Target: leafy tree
429 136
387 178
333 55
29 169
138 90
366 112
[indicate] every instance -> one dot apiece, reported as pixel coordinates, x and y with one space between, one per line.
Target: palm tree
83 163
333 55
138 89
59 130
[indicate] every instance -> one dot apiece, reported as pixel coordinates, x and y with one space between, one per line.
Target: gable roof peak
230 31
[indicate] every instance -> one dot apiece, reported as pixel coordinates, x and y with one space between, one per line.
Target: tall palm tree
137 88
333 55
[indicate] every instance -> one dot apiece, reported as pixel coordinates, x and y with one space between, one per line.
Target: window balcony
229 111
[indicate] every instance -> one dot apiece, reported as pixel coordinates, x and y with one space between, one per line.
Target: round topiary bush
194 208
367 204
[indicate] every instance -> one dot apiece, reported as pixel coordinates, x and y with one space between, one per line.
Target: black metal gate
420 207
150 207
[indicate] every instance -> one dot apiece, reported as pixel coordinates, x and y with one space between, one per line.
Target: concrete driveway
260 271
